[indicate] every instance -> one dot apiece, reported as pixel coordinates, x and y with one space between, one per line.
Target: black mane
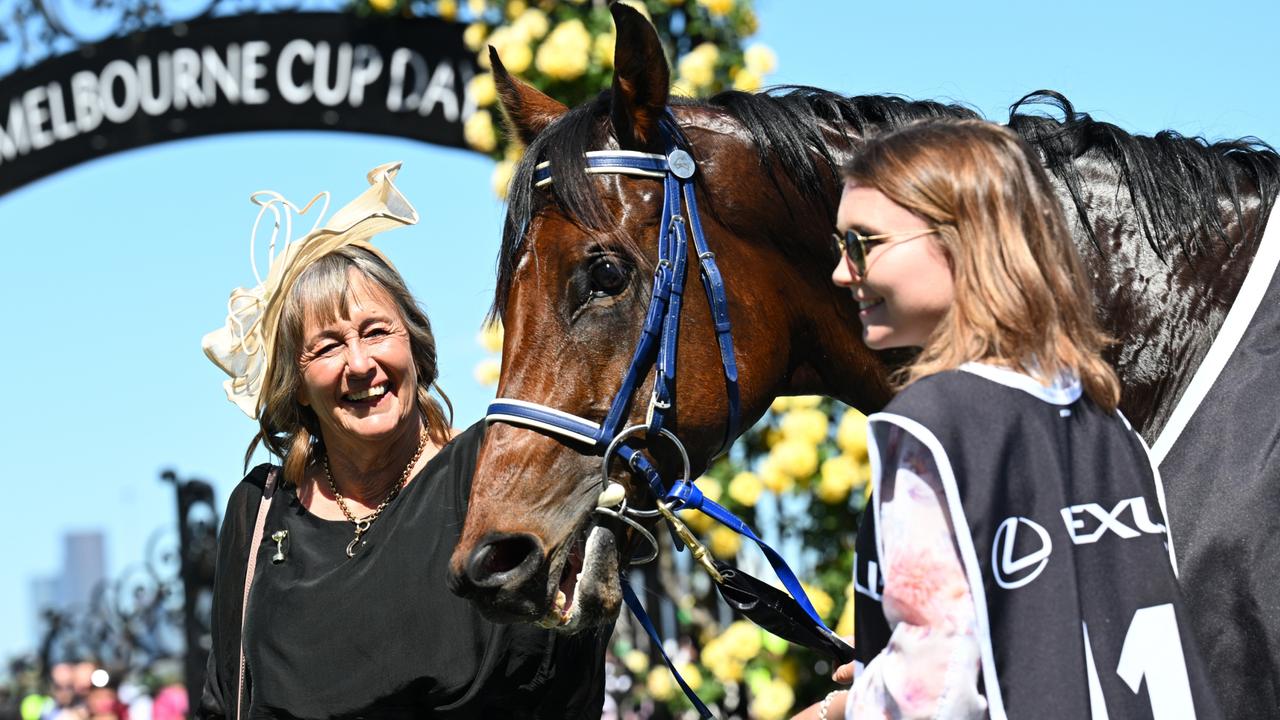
787 125
1177 183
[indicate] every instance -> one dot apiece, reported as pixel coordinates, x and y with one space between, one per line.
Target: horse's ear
641 80
528 110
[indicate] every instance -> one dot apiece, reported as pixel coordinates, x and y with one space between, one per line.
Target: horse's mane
788 126
1177 183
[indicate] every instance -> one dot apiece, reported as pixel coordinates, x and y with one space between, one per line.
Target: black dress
380 635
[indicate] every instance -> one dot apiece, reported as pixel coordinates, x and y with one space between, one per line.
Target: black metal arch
211 67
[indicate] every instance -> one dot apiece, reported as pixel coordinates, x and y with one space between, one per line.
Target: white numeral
1152 650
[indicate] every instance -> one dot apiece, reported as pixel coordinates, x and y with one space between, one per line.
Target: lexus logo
1013 570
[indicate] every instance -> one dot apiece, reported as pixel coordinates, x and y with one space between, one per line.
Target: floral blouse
930 667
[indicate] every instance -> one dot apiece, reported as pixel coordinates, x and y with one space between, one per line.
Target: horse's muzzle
505 576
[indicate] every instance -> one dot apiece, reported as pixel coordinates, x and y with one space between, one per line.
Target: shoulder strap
268 489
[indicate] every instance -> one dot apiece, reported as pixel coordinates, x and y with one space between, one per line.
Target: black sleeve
576 690
223 670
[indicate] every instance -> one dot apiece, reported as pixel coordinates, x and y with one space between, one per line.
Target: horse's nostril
504 560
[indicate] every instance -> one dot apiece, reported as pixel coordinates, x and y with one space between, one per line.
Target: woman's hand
834 701
844 674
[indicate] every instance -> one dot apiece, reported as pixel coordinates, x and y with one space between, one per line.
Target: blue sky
114 270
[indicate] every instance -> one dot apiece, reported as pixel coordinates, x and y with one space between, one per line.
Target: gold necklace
363 524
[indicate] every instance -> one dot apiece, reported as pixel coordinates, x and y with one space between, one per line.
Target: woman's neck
366 472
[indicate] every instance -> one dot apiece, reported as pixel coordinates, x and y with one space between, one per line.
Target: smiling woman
953 243
347 612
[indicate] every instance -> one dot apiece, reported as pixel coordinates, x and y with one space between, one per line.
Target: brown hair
1021 297
287 428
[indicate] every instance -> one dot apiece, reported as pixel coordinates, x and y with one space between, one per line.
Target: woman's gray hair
323 292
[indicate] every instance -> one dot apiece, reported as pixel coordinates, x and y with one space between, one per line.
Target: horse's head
574 287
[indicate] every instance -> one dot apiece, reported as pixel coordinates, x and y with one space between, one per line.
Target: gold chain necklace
363 524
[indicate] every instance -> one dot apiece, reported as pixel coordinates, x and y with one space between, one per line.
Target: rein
791 617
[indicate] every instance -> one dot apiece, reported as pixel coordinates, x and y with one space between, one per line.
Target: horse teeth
561 600
613 494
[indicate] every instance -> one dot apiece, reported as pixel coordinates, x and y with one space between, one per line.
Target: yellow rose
722 664
447 9
832 491
805 424
710 488
518 57
691 674
697 521
717 8
842 469
806 401
745 488
483 90
760 59
490 337
748 23
661 686
477 7
635 661
742 640
772 701
851 435
383 6
683 88
515 8
698 66
487 372
512 44
565 54
534 23
777 481
839 475
772 436
844 627
797 458
747 80
602 50
820 600
473 37
780 405
479 131
724 543
501 178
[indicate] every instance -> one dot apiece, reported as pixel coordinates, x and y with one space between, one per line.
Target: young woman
1015 561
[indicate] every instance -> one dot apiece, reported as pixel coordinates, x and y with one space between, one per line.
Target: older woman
330 597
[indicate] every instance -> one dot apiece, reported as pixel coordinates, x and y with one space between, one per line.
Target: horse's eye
607 278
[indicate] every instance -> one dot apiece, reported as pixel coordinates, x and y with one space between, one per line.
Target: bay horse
1167 227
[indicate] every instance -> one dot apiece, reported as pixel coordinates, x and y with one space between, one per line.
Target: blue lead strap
685 494
637 609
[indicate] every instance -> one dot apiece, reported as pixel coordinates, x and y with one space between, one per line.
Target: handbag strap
268 489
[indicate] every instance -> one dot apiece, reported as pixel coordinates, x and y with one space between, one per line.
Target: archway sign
289 70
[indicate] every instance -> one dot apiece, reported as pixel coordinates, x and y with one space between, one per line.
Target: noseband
657 349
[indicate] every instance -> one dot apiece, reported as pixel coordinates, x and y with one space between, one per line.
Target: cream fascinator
243 347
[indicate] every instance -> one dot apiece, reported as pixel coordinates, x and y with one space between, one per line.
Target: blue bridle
657 349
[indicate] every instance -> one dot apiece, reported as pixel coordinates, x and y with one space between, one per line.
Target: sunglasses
855 245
